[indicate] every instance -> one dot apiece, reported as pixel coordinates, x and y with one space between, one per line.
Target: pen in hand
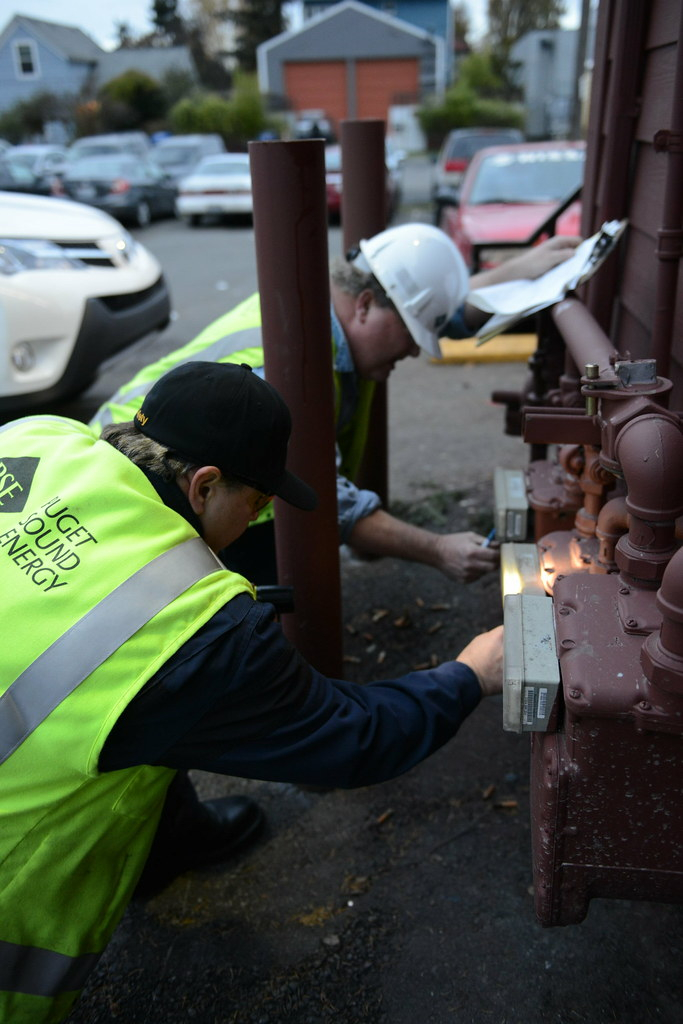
491 536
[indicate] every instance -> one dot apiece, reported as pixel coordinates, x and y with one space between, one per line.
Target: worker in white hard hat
394 296
398 293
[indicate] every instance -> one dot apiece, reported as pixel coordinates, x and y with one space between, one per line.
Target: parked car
457 149
41 159
75 288
137 143
508 192
219 185
333 184
313 124
178 155
132 189
17 178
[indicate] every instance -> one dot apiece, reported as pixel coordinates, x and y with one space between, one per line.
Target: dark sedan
132 190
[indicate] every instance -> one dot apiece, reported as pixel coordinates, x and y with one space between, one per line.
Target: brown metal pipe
670 235
364 191
612 524
290 229
364 210
662 651
585 340
649 450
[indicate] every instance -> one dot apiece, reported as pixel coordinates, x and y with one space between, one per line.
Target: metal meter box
531 672
510 503
607 776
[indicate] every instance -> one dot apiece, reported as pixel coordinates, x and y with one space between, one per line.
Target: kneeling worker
135 655
399 293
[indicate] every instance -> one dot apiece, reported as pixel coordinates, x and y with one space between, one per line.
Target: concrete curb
504 348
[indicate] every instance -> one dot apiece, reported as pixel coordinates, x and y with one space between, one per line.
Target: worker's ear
200 485
363 303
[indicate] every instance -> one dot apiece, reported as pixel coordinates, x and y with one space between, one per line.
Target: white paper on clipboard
511 301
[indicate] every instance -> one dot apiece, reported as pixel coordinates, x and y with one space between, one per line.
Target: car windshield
464 148
103 167
22 159
168 155
221 165
16 171
531 176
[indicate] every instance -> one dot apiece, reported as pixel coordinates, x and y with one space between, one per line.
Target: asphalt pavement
409 902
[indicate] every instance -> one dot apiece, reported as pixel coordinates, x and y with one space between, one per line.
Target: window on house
26 59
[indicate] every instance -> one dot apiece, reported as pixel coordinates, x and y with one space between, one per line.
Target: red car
508 192
333 185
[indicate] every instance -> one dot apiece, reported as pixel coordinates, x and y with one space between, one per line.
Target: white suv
75 288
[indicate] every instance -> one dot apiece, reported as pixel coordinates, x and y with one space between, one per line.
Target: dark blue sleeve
239 700
456 326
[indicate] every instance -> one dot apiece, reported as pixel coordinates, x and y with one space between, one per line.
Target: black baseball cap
224 415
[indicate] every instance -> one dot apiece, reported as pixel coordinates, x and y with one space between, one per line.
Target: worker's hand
541 258
462 556
484 655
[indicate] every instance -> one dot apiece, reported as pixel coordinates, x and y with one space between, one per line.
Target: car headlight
126 244
34 254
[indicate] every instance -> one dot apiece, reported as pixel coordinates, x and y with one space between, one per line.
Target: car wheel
195 220
143 214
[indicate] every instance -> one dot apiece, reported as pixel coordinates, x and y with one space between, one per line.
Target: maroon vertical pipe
290 229
669 236
364 214
609 165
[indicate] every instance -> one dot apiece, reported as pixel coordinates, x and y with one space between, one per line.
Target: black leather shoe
202 834
228 824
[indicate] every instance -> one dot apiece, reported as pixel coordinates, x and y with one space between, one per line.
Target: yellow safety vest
101 584
235 337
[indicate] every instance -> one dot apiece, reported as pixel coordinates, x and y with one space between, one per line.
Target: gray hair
353 281
149 454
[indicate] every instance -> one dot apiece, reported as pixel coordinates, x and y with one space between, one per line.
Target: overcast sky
99 19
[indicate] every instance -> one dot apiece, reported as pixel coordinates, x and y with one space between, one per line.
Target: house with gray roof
41 56
352 61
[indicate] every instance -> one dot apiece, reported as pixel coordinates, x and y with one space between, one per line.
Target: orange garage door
380 82
319 85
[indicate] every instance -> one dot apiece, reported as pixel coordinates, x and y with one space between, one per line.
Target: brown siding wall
636 61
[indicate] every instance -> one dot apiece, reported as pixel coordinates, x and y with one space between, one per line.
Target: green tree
462 26
256 22
238 119
25 120
132 100
475 99
509 20
168 22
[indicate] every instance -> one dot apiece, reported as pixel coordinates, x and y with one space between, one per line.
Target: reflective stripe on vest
218 351
42 972
56 673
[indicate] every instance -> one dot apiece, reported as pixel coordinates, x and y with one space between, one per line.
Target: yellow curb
504 348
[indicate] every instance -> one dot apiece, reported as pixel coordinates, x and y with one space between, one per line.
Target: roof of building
154 61
71 43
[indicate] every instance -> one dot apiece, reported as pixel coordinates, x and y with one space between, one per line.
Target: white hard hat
423 274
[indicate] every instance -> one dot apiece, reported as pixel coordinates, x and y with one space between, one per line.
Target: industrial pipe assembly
606 758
